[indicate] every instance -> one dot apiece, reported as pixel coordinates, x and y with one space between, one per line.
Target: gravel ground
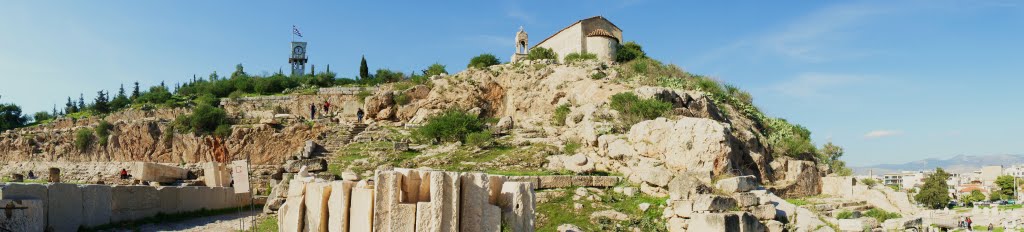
226 222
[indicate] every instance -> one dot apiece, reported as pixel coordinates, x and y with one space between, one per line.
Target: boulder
737 184
746 199
858 224
713 203
774 226
714 222
569 228
312 165
578 163
610 214
504 125
677 224
764 212
686 186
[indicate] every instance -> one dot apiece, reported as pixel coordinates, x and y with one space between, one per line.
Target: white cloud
815 84
881 133
513 10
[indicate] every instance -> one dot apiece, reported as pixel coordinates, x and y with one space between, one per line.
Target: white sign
240 174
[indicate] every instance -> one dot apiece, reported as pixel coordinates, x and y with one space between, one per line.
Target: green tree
70 107
830 154
120 101
11 117
387 76
450 126
997 195
81 102
629 51
972 197
434 69
239 72
934 193
135 92
541 53
100 103
155 95
41 116
483 61
1006 185
364 71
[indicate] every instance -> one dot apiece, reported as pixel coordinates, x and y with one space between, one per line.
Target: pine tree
55 111
81 102
100 103
135 92
70 107
364 71
120 101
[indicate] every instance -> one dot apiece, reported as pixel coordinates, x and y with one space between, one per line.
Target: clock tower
298 58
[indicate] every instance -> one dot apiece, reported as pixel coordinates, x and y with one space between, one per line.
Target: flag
295 30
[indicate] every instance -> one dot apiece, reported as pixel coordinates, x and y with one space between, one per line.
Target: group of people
326 109
968 224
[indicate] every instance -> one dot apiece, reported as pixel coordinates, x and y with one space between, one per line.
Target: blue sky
891 81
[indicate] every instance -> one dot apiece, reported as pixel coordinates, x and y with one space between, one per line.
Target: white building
905 179
1015 171
595 35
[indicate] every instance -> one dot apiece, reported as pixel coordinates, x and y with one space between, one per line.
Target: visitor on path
327 107
124 174
312 111
359 115
31 175
991 227
969 222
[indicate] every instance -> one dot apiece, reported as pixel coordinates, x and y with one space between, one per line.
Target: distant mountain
956 164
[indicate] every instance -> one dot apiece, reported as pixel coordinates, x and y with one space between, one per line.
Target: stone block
495 183
547 182
677 224
386 201
858 224
361 213
749 223
405 218
475 202
682 208
65 207
312 165
170 199
518 206
774 226
190 198
12 191
604 181
96 205
133 203
338 205
745 199
293 211
714 222
764 212
492 219
317 195
582 181
441 212
218 197
686 186
22 214
410 185
157 172
737 184
713 203
216 175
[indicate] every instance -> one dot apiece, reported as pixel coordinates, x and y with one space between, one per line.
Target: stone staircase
336 137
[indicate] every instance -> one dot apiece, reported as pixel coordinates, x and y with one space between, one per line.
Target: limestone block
737 184
317 195
157 172
749 223
584 181
170 199
492 219
713 203
858 224
441 213
190 198
65 207
677 224
517 206
475 202
547 182
535 181
686 186
26 191
133 202
295 213
405 218
714 222
338 205
410 185
682 208
604 181
774 226
495 182
388 197
840 186
744 200
96 205
312 165
361 212
216 175
218 198
764 212
23 215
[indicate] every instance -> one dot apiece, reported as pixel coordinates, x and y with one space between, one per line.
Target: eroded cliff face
139 135
698 138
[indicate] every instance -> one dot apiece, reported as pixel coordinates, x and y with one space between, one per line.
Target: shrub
103 132
870 182
577 57
479 139
742 96
205 119
223 131
41 116
450 126
402 99
881 215
632 109
362 95
629 51
560 114
483 61
598 75
571 147
83 139
434 69
845 214
540 53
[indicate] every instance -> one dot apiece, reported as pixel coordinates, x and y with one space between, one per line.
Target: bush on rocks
483 61
540 53
578 57
632 109
83 138
450 126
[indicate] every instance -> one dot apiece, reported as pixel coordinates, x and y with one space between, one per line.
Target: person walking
969 222
327 107
359 115
312 111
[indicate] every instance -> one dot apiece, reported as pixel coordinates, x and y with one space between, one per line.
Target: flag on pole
295 30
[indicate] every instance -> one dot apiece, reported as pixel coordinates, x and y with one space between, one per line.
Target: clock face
298 50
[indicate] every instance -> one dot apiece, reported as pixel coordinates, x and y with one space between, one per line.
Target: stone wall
344 103
410 200
566 41
66 207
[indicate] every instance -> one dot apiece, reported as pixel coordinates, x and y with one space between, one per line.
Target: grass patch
266 224
560 114
559 210
798 201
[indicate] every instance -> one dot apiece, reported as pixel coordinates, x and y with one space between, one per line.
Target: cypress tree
100 103
70 107
81 101
364 71
135 92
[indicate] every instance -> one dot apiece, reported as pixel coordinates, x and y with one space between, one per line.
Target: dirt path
226 222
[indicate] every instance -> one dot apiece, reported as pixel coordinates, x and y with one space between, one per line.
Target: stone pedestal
317 195
361 212
339 205
441 212
517 206
293 212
